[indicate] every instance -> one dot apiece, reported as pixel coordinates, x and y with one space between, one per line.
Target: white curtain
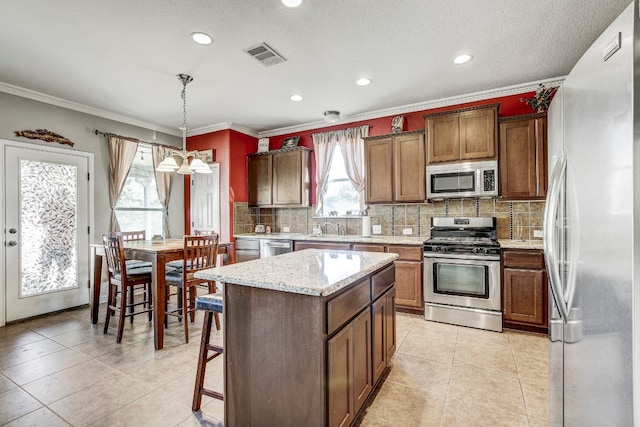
121 153
163 182
351 145
352 148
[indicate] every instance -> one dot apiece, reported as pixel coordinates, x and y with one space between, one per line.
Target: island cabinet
394 168
279 178
523 157
461 135
307 335
525 290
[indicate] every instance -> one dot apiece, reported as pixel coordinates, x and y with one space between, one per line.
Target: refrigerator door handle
550 250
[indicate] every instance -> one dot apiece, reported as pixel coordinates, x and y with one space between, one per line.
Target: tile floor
59 370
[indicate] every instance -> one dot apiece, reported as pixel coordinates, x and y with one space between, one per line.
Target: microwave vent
265 54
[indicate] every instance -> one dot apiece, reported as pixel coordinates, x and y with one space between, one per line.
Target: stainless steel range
462 273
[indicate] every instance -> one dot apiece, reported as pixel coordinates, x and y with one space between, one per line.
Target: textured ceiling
122 56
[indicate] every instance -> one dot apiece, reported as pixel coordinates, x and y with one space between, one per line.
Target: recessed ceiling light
292 3
363 82
295 97
201 38
462 59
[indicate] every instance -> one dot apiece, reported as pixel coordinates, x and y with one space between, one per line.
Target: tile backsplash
515 220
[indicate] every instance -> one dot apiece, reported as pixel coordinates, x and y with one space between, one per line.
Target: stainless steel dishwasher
273 247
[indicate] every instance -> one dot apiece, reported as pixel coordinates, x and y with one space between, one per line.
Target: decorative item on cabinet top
397 124
541 100
263 145
290 142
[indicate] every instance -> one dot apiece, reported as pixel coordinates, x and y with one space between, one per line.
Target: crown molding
222 126
420 106
59 102
409 108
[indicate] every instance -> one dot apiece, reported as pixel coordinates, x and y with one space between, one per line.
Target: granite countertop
310 272
521 244
377 239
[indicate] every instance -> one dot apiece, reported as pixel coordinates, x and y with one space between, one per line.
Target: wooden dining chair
129 236
200 252
121 282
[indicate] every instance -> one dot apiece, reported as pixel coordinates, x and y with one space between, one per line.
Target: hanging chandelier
182 161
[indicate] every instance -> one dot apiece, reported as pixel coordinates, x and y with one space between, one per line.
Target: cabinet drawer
382 280
343 307
368 248
523 259
407 253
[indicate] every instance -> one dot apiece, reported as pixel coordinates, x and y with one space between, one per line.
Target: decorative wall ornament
540 101
44 135
396 124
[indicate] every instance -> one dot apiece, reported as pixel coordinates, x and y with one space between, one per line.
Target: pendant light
178 160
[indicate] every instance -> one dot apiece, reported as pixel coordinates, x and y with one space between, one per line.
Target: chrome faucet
339 228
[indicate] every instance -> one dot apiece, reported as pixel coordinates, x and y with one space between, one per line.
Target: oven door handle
550 249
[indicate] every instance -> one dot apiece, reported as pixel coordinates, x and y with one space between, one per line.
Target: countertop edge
216 275
374 239
521 244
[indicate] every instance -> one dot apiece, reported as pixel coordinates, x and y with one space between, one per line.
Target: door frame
90 209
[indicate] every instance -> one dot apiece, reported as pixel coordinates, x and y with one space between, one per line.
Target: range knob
476 250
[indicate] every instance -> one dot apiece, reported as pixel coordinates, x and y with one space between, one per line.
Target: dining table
158 253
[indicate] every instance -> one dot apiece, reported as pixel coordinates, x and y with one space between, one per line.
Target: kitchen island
307 335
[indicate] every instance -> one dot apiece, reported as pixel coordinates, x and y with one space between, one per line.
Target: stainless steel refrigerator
592 233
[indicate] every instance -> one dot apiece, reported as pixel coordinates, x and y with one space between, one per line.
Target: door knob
12 243
13 231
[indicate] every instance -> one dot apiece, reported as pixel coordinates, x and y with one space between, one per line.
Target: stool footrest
213 394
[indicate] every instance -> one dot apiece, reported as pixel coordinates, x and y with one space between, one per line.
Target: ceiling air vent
264 54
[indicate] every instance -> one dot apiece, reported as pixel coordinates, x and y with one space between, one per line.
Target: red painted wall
231 149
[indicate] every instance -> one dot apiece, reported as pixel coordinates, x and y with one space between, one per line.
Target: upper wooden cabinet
279 178
465 134
394 168
523 157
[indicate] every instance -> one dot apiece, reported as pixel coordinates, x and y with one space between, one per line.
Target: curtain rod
99 132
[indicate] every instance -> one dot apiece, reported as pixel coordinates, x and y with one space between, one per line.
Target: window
139 207
340 195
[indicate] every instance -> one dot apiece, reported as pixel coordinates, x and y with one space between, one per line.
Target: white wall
17 113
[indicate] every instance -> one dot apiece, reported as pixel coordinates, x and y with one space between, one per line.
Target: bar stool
213 305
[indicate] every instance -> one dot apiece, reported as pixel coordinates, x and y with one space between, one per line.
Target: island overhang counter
307 335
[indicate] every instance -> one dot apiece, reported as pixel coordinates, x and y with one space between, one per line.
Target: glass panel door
46 228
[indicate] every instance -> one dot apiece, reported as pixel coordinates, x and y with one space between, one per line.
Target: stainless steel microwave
468 179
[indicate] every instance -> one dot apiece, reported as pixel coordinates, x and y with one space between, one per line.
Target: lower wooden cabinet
349 357
525 290
359 350
384 332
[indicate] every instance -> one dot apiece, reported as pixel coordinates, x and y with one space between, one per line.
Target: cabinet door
259 180
287 181
379 348
340 378
409 168
523 296
478 134
409 284
518 159
378 157
390 324
443 138
362 373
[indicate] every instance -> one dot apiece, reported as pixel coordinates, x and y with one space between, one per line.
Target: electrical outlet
376 229
538 233
407 231
285 229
